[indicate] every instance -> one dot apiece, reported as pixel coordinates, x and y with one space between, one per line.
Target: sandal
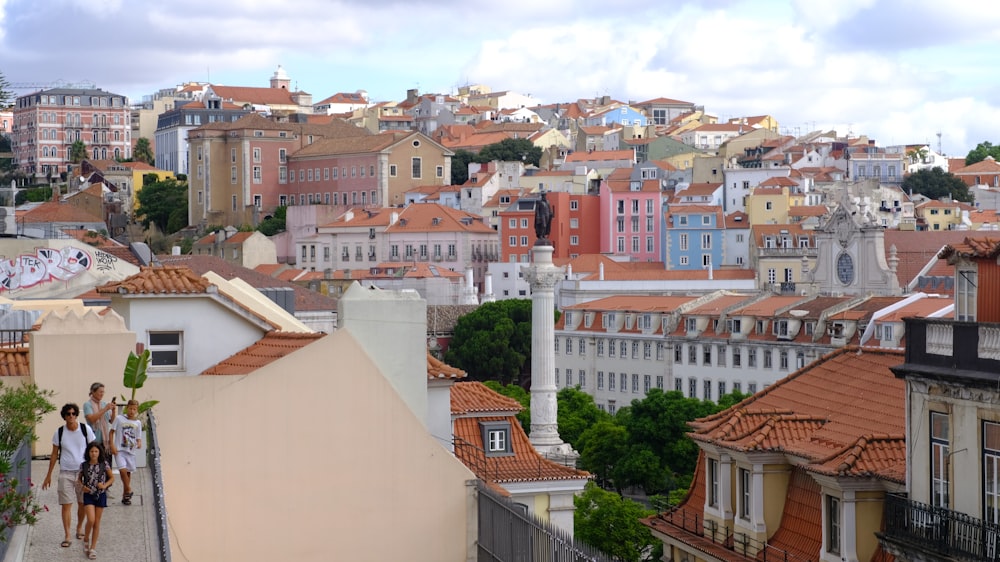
127 498
79 535
92 555
65 544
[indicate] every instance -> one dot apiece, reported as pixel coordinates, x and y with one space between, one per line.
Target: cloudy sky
900 71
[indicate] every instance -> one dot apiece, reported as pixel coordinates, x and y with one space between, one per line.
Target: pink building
47 123
630 216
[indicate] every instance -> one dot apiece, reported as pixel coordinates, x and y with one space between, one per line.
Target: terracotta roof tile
800 532
159 280
972 247
15 362
601 155
273 346
437 369
57 211
524 465
306 300
820 412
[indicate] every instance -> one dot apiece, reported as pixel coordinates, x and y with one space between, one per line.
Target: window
783 360
647 350
600 347
496 438
415 168
706 354
600 380
611 381
646 381
635 350
611 344
744 494
722 389
569 346
257 174
611 407
256 154
965 295
707 389
438 171
582 346
623 349
574 205
713 483
692 388
767 359
574 240
583 378
678 354
692 354
833 524
624 383
991 472
635 384
939 460
721 356
737 357
683 242
678 384
165 349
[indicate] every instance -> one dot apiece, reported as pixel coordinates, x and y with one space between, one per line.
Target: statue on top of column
543 221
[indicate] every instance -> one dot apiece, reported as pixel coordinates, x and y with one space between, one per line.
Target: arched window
45 152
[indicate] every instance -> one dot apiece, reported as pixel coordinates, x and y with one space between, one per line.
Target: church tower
280 79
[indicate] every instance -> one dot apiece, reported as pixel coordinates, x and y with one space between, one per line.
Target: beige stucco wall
70 351
259 249
868 519
284 465
775 489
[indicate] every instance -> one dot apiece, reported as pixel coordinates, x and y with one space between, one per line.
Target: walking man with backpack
68 446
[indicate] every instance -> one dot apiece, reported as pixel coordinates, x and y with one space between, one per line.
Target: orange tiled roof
972 247
844 414
245 94
437 369
800 532
915 249
159 280
55 211
15 362
472 402
273 346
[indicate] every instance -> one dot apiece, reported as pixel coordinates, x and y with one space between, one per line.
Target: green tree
77 152
610 523
601 446
728 400
511 150
6 96
982 150
164 204
142 152
493 342
576 412
936 183
22 407
518 393
275 223
659 423
460 166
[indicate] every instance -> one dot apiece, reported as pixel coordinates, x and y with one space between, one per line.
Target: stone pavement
128 532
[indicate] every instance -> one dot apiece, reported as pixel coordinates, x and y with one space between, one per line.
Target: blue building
695 236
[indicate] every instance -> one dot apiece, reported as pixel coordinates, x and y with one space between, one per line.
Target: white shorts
125 460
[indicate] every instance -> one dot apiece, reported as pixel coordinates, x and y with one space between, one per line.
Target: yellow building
949 215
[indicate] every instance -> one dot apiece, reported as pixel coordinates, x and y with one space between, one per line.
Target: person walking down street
95 478
126 437
68 446
100 415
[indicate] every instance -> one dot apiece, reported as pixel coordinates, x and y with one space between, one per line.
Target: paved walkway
128 532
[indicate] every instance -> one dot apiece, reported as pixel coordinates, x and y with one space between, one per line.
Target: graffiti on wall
44 266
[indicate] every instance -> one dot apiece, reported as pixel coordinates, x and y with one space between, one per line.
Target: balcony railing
911 525
724 537
968 350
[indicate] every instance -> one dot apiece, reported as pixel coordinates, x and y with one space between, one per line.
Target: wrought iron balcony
912 527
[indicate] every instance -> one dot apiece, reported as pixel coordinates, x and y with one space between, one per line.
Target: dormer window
496 438
761 327
836 330
628 321
690 324
780 328
733 325
588 319
608 320
965 294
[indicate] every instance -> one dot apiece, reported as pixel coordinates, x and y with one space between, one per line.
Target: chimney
468 277
488 284
600 272
220 236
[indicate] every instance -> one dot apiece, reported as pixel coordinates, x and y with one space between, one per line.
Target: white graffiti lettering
44 266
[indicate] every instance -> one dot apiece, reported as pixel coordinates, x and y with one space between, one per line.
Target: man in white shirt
68 446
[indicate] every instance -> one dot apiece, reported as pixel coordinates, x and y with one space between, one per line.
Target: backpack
82 425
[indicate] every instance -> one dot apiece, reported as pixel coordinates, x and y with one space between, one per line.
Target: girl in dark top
96 477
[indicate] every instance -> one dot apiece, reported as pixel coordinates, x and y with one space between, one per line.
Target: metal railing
154 456
507 533
725 537
950 533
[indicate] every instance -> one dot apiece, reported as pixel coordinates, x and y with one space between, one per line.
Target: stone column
542 275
